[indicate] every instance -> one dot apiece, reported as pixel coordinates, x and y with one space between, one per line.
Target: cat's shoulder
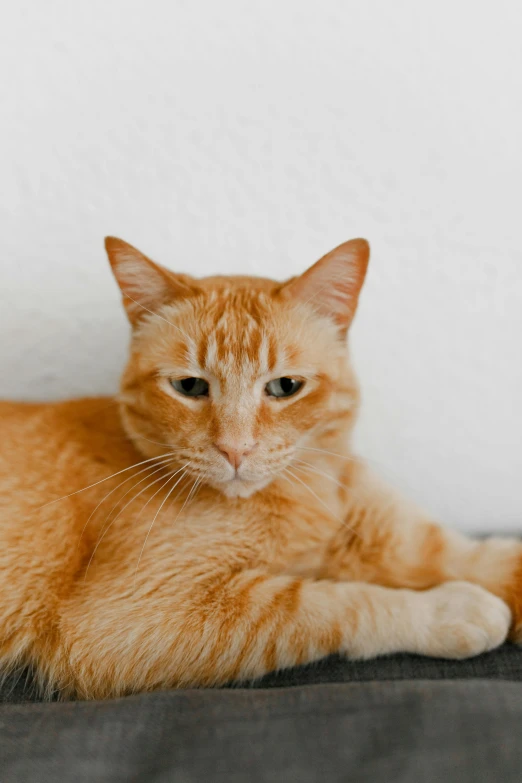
92 420
78 410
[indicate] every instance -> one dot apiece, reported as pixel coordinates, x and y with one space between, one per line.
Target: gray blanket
403 718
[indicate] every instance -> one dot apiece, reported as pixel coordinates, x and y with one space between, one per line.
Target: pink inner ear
145 285
138 280
332 285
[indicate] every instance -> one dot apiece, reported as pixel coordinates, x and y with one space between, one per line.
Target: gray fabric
343 725
504 663
409 732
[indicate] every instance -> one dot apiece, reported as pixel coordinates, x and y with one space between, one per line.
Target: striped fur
180 572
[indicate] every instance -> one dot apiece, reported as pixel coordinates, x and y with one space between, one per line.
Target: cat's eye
191 387
283 387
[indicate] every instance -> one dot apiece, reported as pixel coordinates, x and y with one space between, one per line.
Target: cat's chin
239 488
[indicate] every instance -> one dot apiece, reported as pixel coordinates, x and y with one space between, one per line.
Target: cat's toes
463 620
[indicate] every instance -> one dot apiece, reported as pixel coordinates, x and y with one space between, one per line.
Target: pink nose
235 452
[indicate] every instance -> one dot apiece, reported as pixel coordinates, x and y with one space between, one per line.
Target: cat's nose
235 452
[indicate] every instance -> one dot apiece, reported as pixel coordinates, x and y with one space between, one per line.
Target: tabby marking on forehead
239 345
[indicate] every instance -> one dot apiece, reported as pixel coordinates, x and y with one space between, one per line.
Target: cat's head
235 374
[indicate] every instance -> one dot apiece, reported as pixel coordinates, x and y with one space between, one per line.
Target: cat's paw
462 620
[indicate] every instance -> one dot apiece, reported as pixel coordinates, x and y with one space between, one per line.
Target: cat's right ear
145 285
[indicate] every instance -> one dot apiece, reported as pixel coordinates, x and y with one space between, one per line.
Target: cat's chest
300 548
305 563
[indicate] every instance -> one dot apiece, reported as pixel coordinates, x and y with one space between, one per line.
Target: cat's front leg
253 623
389 542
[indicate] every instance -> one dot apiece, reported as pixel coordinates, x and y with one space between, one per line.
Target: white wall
253 137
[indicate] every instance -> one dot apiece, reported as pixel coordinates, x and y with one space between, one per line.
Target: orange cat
212 524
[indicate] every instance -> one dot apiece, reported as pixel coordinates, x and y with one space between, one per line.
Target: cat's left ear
332 285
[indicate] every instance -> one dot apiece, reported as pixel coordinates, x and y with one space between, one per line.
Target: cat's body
246 537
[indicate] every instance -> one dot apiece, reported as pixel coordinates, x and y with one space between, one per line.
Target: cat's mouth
239 487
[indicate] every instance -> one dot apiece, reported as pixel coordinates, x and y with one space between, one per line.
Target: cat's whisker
283 475
182 489
120 512
108 527
313 493
190 500
158 470
190 497
169 493
341 521
196 493
173 475
129 478
118 473
354 491
313 469
196 483
330 453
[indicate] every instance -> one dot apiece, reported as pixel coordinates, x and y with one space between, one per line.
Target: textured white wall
230 136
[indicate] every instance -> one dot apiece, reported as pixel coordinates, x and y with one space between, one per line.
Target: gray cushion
390 719
463 731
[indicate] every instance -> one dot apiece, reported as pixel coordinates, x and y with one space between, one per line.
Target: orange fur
132 554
